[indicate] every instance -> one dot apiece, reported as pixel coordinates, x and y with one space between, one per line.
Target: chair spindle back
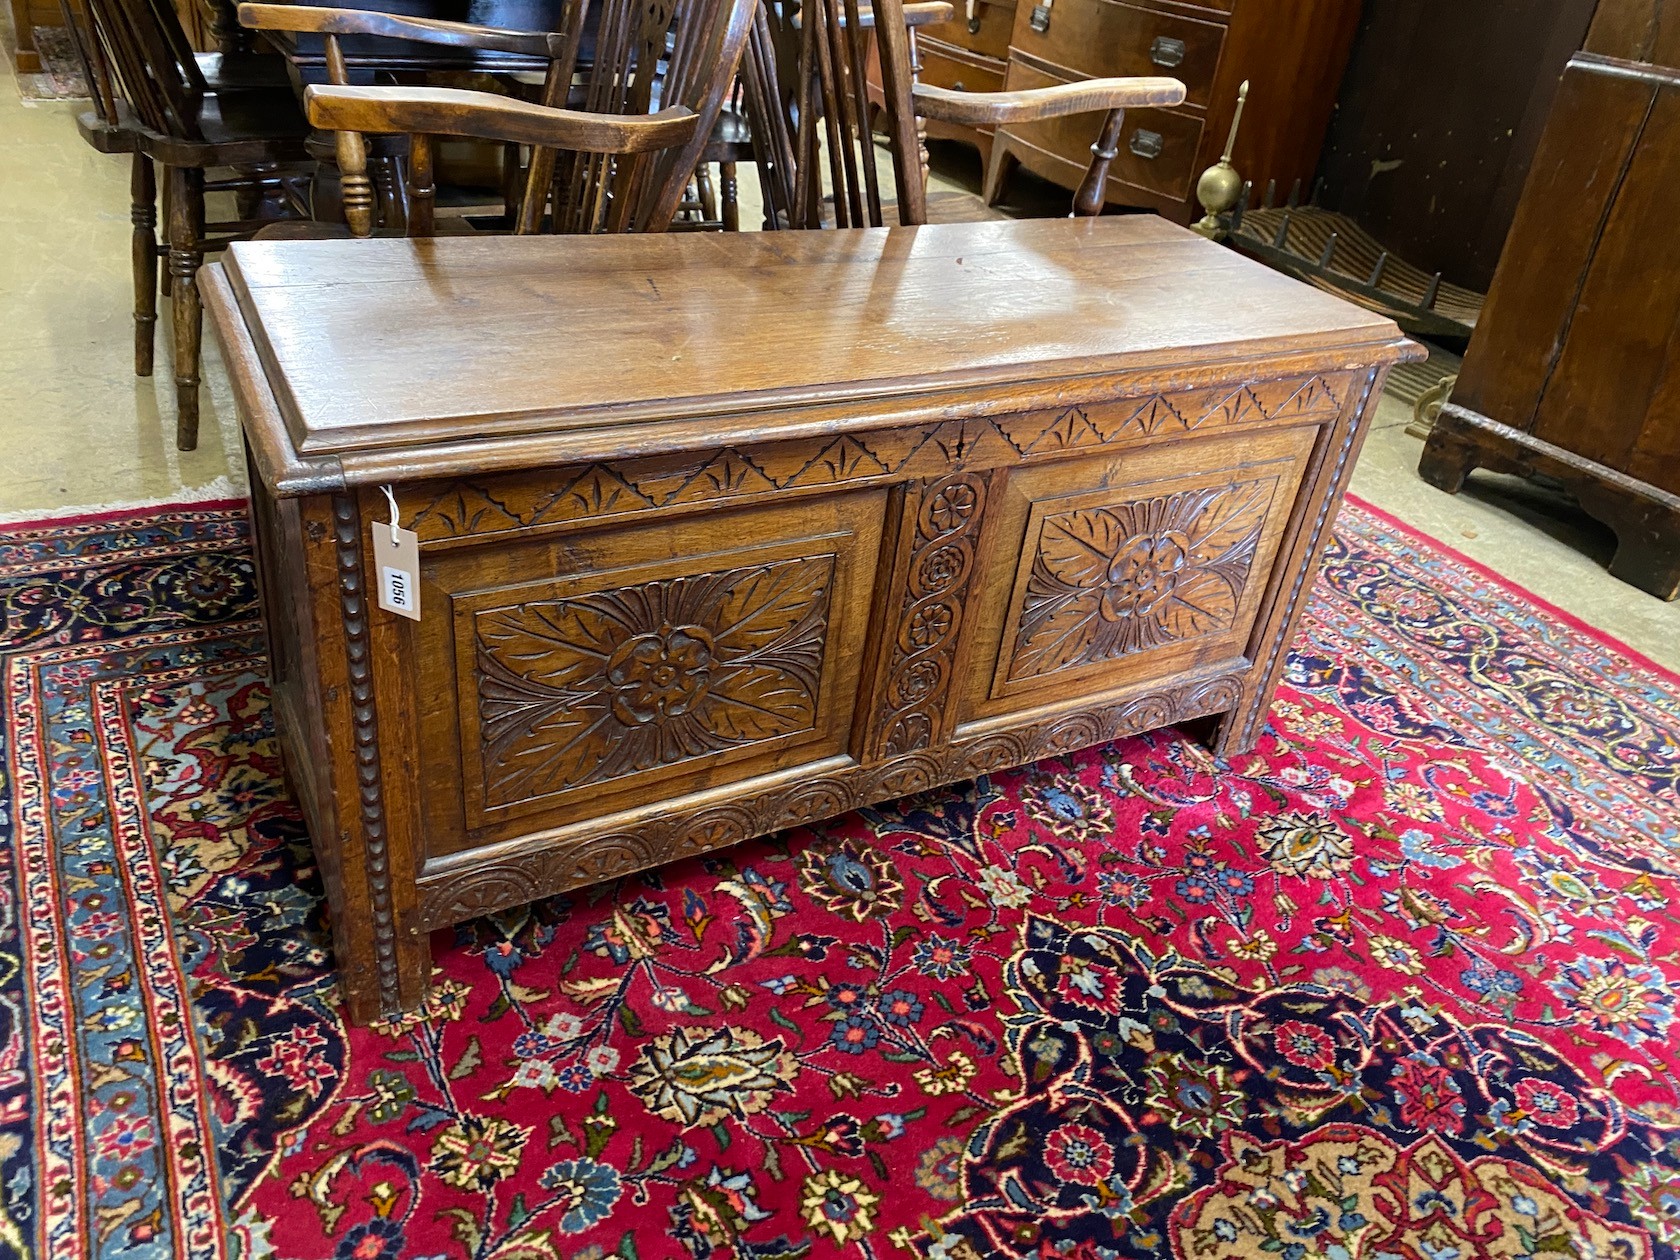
143 42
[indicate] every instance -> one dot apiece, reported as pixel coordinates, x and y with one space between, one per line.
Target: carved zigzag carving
492 505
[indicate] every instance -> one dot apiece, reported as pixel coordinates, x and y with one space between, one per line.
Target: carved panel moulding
1113 580
596 686
461 892
1357 398
494 504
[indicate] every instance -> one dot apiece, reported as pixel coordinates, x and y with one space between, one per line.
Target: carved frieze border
518 878
505 502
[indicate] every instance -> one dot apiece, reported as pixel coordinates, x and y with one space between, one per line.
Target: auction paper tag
396 560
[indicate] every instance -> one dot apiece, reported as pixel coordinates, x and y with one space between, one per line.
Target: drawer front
1107 572
1158 147
947 67
987 32
1104 37
564 679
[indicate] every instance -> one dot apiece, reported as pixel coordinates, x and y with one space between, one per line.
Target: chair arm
916 13
1089 96
486 116
322 21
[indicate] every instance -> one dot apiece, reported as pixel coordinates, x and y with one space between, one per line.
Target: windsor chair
187 113
619 162
835 121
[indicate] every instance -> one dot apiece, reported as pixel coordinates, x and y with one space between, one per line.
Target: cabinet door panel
562 679
961 71
1109 571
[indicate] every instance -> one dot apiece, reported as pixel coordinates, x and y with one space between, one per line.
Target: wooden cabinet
676 592
1571 372
1437 120
1291 51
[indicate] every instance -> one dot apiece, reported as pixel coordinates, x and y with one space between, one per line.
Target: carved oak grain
452 892
1109 581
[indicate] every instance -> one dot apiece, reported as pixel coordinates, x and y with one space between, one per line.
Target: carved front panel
557 678
1137 574
583 690
1105 571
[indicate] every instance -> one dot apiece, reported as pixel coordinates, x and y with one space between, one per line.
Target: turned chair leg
143 192
166 196
707 194
731 197
513 182
186 253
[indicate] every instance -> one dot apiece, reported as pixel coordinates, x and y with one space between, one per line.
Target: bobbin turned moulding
717 535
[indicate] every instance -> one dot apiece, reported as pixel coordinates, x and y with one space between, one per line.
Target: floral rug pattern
1402 983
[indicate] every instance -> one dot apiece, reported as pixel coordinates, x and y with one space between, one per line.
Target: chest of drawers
1292 52
1572 372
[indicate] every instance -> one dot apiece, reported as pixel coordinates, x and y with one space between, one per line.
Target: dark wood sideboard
1572 372
1292 51
719 535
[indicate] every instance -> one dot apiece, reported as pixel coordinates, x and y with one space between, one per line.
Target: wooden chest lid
366 359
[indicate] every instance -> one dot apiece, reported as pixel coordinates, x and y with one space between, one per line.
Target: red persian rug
1400 984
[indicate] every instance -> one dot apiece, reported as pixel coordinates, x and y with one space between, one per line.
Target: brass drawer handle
1167 51
1146 144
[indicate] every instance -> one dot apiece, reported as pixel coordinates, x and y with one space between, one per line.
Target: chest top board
722 534
603 345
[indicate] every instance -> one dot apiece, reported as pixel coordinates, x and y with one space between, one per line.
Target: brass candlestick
1220 185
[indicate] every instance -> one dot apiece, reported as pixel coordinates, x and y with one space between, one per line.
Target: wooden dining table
369 56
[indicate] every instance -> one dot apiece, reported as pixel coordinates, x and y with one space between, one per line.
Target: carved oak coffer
717 535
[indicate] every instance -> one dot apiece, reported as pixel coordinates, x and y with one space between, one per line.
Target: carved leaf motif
756 611
1110 581
761 702
465 508
1153 416
726 474
845 459
1316 395
597 686
595 491
1076 548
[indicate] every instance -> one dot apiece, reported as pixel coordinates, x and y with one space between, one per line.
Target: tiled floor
79 430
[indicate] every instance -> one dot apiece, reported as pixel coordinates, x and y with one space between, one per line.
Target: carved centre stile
941 569
596 686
